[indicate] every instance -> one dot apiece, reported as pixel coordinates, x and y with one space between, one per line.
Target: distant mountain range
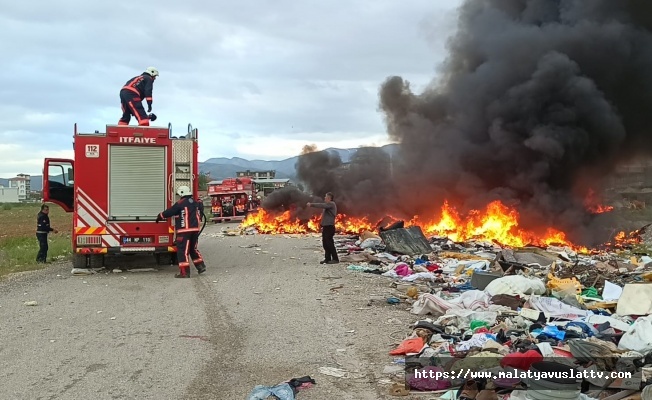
221 167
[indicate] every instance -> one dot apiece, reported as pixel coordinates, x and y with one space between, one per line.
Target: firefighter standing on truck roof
188 212
132 94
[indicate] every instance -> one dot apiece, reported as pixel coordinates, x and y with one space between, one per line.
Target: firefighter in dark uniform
188 212
132 94
42 230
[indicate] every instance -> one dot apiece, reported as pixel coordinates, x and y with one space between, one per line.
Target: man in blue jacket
43 228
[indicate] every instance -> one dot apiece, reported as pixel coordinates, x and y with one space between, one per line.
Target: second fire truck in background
232 199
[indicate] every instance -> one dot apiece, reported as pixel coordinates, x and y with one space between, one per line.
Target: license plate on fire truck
137 239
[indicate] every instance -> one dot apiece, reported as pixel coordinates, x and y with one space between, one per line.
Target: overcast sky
259 79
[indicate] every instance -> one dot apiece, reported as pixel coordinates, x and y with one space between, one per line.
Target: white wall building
22 183
8 195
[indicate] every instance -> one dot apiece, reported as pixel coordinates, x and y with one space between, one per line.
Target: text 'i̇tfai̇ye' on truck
116 186
232 199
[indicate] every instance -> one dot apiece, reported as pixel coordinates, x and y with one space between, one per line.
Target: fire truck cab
117 184
232 199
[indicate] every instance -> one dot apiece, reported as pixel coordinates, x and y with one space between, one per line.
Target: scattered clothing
304 382
282 391
521 361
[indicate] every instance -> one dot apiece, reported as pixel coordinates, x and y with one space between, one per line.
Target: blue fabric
282 392
585 328
464 287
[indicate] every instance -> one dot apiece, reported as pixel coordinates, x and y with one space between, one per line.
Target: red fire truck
232 199
117 184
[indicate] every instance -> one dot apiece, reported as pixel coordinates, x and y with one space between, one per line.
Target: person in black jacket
188 212
132 94
43 228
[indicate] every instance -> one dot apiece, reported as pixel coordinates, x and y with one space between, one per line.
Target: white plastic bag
515 285
639 336
370 243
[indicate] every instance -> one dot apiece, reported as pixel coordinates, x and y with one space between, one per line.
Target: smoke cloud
537 101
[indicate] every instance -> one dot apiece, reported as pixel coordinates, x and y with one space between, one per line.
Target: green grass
19 254
18 243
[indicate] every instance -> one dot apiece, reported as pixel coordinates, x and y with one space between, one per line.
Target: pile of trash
481 307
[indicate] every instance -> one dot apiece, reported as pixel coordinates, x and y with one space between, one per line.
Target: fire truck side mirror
71 174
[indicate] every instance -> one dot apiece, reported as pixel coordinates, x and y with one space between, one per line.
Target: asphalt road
261 315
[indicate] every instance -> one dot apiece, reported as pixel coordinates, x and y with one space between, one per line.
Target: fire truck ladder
182 165
182 157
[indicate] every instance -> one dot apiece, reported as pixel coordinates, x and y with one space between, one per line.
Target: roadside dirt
261 315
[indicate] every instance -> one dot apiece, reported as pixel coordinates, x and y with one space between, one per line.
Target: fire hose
203 217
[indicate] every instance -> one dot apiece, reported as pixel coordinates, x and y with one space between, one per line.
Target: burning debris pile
496 223
536 104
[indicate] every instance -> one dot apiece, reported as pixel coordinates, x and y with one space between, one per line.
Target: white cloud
256 79
270 148
18 158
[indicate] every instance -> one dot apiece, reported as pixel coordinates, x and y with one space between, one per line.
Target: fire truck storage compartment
137 182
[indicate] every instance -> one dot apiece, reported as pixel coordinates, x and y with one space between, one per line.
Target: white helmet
183 191
152 71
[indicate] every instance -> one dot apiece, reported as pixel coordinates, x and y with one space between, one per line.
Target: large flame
593 204
623 240
497 223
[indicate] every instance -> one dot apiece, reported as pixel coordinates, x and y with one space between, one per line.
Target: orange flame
496 223
269 223
592 204
623 240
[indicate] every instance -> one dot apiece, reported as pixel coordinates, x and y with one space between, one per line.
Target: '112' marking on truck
130 139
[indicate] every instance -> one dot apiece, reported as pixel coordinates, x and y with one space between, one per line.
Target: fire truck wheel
79 261
96 260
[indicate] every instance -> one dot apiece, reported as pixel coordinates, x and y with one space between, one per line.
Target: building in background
8 194
271 174
266 186
22 183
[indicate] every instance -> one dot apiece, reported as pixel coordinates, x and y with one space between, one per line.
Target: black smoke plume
537 101
291 199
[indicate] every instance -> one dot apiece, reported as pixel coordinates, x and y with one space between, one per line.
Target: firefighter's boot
201 267
184 272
